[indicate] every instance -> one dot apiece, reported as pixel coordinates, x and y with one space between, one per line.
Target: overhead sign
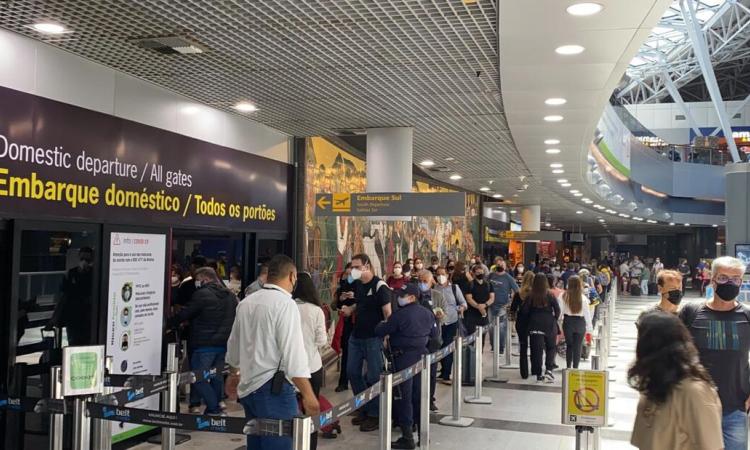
531 235
59 160
584 397
83 370
391 204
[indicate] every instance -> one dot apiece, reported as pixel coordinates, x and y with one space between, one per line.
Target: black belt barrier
34 405
132 394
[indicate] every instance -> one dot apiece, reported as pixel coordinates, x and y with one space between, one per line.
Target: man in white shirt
266 354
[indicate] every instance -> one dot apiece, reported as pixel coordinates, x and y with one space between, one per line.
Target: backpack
689 312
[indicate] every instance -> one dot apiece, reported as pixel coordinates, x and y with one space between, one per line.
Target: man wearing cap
408 331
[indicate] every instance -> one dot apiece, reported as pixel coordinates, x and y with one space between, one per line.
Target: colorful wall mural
330 242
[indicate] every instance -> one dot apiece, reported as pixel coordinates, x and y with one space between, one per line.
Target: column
737 205
530 218
389 159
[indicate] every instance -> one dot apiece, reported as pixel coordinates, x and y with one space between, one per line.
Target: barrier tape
442 353
34 405
132 394
471 338
214 424
345 408
408 373
122 380
200 375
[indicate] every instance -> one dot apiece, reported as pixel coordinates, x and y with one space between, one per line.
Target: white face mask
442 279
397 271
175 280
403 301
419 266
356 274
198 284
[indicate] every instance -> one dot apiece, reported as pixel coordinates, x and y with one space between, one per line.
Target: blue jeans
734 430
265 405
446 365
210 390
503 329
363 351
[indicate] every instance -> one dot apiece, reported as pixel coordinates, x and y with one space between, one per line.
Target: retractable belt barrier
34 405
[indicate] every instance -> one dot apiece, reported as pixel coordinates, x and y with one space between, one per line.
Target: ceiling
314 67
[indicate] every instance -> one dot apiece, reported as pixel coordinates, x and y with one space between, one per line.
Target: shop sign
83 370
555 236
62 161
584 397
391 204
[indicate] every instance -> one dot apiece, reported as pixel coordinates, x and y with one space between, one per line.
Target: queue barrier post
301 430
455 420
102 434
386 410
169 397
424 403
509 325
56 420
81 424
595 434
496 354
477 398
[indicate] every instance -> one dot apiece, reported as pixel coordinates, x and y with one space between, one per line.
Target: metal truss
668 52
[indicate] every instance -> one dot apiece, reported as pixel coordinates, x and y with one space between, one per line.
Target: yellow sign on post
585 397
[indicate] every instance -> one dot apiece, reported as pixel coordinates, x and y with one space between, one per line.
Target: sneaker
433 407
445 382
358 420
222 406
548 377
341 388
195 410
369 424
404 443
539 378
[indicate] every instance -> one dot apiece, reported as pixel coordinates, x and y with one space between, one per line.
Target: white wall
40 69
660 118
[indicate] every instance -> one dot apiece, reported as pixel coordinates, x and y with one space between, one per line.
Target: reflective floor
524 414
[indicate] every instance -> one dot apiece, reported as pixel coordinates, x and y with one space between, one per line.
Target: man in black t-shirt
721 332
372 303
479 298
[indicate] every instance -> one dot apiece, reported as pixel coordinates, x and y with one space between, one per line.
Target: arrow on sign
323 202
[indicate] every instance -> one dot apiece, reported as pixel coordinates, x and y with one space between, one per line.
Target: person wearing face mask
658 266
434 264
518 271
267 357
409 330
257 285
372 303
454 304
503 285
416 268
685 271
721 331
477 262
175 280
344 297
397 279
480 297
433 300
669 284
210 314
73 309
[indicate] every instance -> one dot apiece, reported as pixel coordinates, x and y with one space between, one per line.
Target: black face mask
674 296
479 276
451 268
727 291
500 269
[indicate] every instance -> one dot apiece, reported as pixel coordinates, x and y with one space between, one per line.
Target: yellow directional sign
324 201
584 397
391 204
342 203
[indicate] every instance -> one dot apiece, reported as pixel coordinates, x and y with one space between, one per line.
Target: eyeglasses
723 279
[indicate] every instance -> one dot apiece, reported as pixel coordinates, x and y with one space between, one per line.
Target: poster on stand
135 313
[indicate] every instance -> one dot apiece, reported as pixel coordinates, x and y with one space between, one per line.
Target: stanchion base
509 366
611 366
483 400
497 379
462 422
178 439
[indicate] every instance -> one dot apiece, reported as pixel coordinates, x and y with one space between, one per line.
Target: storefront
94 211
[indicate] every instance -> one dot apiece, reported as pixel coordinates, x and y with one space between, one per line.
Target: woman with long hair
542 311
522 323
576 320
679 407
461 278
313 332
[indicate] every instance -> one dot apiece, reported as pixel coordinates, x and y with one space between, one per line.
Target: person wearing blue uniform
409 330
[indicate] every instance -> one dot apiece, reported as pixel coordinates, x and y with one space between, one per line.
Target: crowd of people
272 338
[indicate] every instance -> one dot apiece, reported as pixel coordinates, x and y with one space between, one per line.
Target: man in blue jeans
721 332
372 298
504 286
266 354
210 313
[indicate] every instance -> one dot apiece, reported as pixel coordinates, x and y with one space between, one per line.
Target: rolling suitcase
652 289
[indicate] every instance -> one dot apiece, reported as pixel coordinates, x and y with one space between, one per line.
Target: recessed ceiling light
687 224
553 118
562 180
497 196
624 215
584 9
639 219
552 151
718 243
245 107
601 220
651 221
574 191
547 224
588 202
579 212
566 185
450 158
49 28
484 189
515 195
512 211
552 141
555 165
558 171
715 226
578 195
455 176
569 50
555 101
671 224
427 163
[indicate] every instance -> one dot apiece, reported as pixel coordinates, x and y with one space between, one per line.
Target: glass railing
695 155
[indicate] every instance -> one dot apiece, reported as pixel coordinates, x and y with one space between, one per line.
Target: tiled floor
524 415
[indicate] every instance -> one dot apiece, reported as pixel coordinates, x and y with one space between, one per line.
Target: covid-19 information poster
135 312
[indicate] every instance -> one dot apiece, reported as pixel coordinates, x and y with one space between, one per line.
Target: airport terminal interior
374 224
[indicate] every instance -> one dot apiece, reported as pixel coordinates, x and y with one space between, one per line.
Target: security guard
409 329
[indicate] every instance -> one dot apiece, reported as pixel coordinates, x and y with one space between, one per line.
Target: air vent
170 45
439 169
679 117
737 116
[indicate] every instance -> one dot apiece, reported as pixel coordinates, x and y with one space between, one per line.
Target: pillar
389 159
530 218
737 205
